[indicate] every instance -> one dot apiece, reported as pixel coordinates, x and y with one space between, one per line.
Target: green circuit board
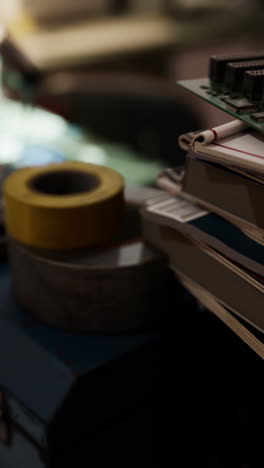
217 96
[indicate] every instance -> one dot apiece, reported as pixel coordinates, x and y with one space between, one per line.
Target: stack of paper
211 225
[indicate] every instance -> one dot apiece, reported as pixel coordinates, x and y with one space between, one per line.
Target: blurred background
95 80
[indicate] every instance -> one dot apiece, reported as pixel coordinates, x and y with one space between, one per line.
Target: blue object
37 155
78 353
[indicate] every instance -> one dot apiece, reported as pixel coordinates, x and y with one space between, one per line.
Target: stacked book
210 223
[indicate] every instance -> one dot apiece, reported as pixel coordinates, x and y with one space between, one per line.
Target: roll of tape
106 290
63 206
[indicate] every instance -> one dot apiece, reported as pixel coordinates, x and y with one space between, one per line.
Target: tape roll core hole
64 182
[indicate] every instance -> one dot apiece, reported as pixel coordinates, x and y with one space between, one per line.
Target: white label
178 209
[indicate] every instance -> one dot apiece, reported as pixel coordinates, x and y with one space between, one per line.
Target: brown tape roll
115 289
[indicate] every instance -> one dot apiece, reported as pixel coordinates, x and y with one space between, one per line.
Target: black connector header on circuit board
235 72
253 84
217 64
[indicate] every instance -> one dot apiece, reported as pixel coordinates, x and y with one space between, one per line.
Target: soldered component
235 72
258 116
253 84
241 106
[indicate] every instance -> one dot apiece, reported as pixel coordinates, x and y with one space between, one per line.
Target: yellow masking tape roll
63 206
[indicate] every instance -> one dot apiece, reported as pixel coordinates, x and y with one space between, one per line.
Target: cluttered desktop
131 181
